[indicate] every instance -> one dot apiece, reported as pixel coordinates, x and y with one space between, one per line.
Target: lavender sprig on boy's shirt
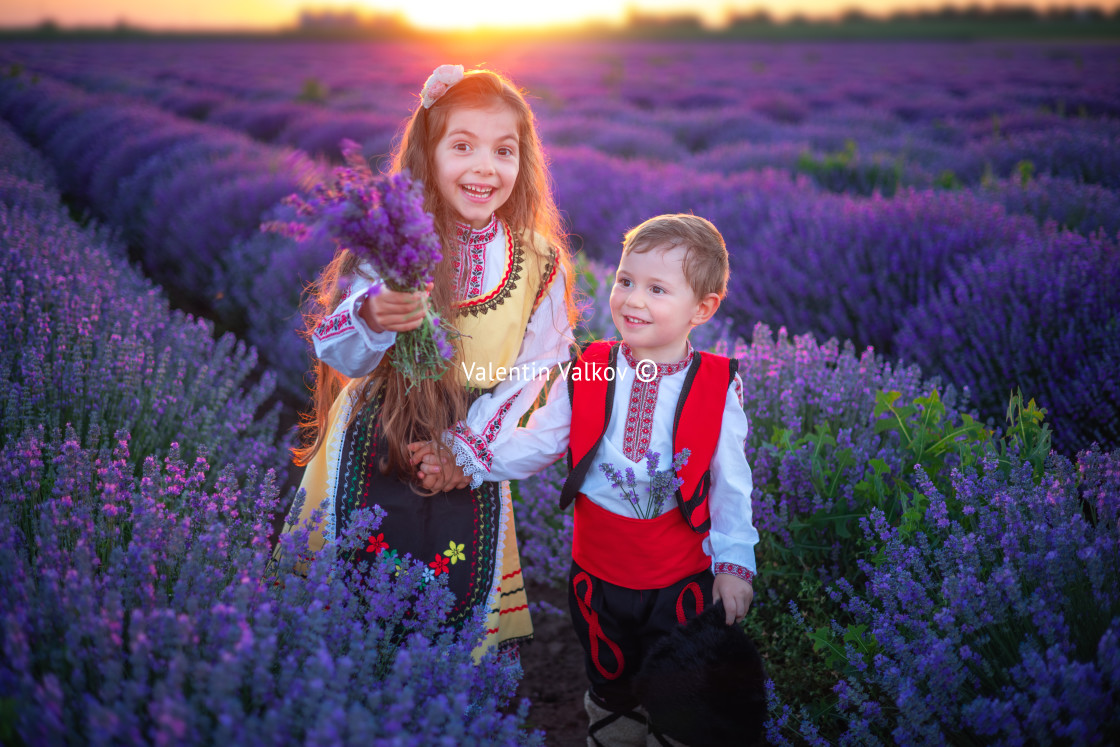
382 220
662 484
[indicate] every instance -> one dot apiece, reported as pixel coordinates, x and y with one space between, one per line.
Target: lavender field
925 303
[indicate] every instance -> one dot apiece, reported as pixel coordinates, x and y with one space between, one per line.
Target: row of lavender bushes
949 280
855 118
792 632
188 199
138 493
890 273
923 579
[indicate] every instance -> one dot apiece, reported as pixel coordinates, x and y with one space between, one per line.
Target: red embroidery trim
472 246
505 278
735 570
490 432
467 235
639 419
477 257
333 326
663 369
643 402
478 446
595 630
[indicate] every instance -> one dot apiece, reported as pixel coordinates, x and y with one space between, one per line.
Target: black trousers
617 626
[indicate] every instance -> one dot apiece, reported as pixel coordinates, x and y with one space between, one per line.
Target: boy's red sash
635 553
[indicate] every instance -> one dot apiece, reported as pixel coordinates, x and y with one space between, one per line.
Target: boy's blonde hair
705 259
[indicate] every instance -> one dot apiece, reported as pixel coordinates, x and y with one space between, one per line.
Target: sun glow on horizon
457 15
450 15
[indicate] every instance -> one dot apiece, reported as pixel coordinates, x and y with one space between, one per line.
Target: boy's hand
437 472
736 594
394 311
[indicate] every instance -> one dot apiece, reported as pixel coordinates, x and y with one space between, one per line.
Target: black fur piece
704 684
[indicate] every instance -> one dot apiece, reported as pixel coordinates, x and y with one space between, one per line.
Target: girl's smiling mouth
477 192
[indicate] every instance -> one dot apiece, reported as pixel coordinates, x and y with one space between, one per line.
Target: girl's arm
355 336
547 342
732 538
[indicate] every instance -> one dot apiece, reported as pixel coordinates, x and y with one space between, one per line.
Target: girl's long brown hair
433 406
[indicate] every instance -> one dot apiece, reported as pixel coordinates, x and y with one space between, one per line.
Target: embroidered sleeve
334 325
472 453
732 538
346 343
735 570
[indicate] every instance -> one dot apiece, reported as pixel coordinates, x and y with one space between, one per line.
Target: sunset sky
264 14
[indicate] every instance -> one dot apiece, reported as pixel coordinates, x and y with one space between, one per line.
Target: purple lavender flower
659 486
382 220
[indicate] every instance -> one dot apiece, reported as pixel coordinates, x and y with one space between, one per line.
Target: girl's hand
437 472
736 594
394 311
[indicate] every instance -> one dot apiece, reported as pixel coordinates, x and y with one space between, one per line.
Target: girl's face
477 160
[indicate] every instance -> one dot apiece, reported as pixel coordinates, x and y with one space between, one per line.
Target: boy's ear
708 306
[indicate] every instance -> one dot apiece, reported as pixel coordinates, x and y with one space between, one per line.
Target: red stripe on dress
505 278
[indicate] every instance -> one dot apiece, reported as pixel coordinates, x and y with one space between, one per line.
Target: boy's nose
636 299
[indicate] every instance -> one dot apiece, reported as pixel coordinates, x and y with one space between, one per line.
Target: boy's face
654 307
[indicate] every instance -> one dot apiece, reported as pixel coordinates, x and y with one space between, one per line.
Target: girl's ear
707 306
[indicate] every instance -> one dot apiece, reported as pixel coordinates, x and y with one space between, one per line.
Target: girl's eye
461 147
508 152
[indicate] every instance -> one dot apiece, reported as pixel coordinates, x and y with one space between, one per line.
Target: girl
503 284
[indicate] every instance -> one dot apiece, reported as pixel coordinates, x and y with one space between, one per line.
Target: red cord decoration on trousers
695 589
595 631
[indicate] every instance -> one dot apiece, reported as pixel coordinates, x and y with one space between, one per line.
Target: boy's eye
623 282
657 289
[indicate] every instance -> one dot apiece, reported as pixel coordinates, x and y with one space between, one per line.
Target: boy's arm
732 538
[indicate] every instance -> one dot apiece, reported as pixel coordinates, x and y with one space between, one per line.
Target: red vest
696 423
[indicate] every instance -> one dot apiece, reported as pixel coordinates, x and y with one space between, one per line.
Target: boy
634 579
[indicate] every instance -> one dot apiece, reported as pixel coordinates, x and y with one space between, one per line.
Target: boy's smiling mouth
634 320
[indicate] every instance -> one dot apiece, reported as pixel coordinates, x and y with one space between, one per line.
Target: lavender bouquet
382 220
662 484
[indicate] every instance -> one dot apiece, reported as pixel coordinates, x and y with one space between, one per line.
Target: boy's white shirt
356 350
521 452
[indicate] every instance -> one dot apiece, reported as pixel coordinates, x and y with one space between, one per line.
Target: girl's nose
484 164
